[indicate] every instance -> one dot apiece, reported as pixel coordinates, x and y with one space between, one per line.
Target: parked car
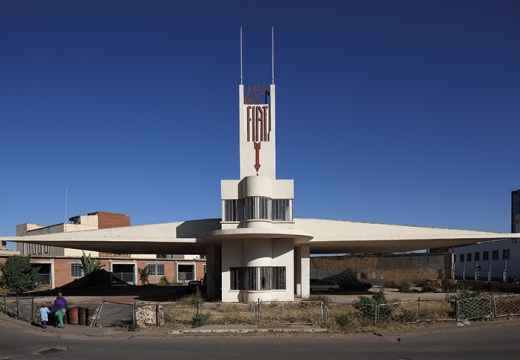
324 285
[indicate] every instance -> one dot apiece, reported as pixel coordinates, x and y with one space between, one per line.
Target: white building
257 250
496 260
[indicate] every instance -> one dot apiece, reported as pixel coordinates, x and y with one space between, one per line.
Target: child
44 315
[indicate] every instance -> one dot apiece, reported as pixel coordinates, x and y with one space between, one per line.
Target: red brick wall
62 270
200 269
110 220
169 270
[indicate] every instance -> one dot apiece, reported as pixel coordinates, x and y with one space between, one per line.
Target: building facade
497 260
60 266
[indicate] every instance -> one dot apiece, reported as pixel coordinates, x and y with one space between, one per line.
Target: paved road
496 340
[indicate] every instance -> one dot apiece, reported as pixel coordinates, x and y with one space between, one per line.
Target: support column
298 271
305 271
211 274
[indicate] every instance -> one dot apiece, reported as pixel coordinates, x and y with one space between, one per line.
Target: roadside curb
237 329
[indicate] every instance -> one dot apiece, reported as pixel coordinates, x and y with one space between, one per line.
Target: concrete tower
256 245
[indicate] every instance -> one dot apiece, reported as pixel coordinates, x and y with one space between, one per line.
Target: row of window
185 272
485 256
258 278
258 208
35 249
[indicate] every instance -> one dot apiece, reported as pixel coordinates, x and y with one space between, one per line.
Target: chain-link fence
20 307
477 307
115 314
506 305
194 312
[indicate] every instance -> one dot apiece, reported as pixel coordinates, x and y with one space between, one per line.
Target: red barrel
73 316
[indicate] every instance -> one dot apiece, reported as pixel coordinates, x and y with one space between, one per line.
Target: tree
18 274
90 265
143 275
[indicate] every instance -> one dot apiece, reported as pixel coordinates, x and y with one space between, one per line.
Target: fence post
326 313
17 307
324 309
457 309
33 311
493 307
418 307
158 316
133 314
258 311
376 315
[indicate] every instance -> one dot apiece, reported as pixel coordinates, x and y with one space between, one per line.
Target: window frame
258 278
156 269
74 270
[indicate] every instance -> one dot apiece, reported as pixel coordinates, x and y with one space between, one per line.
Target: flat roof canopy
323 236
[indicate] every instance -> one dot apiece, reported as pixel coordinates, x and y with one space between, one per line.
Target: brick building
62 266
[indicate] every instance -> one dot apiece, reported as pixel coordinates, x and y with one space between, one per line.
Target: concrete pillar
53 275
298 271
305 271
211 273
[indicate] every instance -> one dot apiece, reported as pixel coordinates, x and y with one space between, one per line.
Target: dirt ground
167 294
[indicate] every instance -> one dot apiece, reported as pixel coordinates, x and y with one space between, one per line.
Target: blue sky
402 112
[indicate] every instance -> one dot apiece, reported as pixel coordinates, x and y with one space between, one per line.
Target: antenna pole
66 202
241 69
272 54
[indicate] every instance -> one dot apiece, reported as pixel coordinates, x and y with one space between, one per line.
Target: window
495 254
505 254
76 270
485 255
461 257
233 210
155 269
44 274
281 210
258 278
257 208
477 256
185 272
468 256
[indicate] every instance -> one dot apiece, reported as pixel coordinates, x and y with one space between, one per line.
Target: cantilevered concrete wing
167 238
331 236
324 236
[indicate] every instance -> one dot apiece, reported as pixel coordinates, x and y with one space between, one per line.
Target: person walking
59 308
44 315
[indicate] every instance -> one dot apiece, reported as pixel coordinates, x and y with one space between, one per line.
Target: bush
432 286
18 274
345 322
143 275
163 281
200 320
196 298
90 265
404 287
348 280
367 306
